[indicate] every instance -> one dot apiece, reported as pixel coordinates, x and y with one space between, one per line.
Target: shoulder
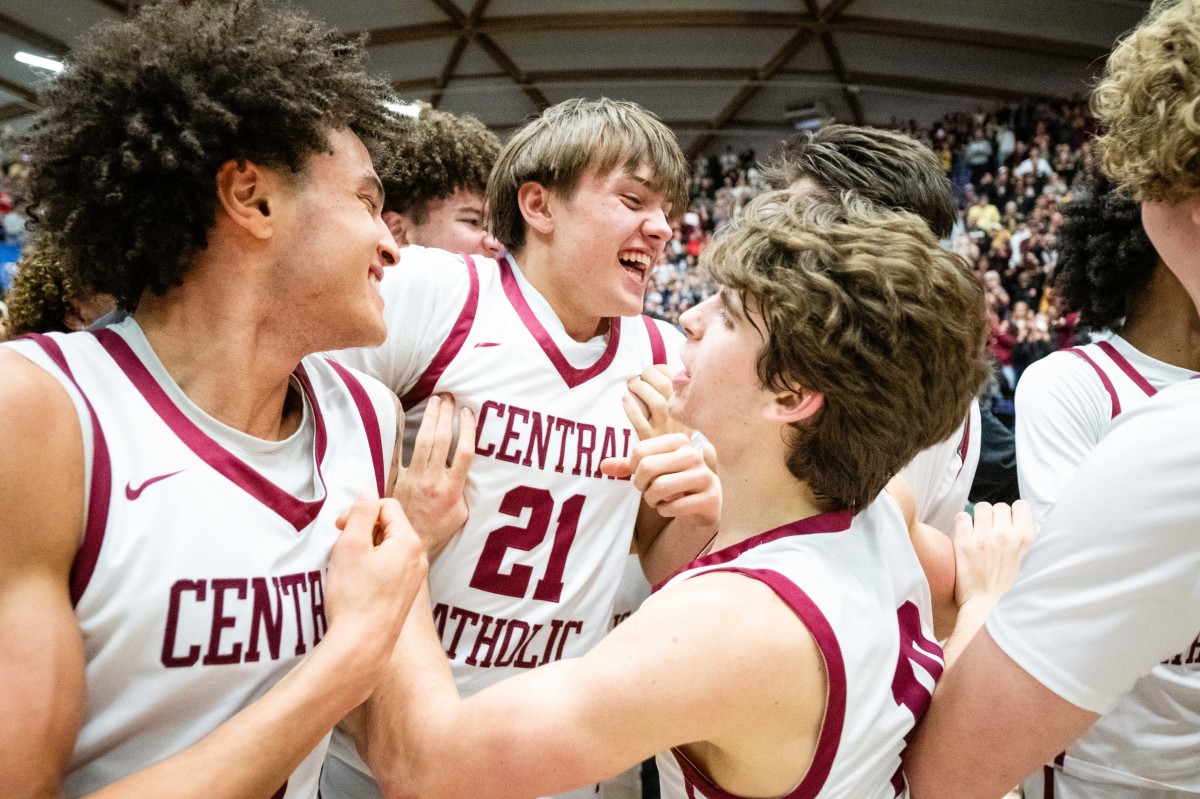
42 458
1061 378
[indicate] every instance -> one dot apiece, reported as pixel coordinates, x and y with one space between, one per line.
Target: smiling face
606 238
333 246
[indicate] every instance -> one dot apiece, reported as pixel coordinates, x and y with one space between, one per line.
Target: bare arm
659 680
935 552
372 579
41 512
975 741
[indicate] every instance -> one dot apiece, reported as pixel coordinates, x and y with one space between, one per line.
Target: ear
246 192
794 406
399 224
72 318
534 201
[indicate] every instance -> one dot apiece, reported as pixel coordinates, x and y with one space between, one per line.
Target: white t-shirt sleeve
1112 587
1062 411
423 296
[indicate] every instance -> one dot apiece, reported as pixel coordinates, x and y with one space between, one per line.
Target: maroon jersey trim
835 711
836 522
370 420
965 444
101 485
1108 386
1125 366
572 376
299 513
451 346
658 349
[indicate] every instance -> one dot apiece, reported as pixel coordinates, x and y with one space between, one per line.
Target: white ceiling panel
495 102
655 49
361 15
1097 22
670 100
409 60
508 8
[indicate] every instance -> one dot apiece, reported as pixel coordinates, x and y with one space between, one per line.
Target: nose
689 320
656 226
491 245
385 248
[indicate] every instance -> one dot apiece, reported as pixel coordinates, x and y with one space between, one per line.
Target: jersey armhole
370 422
97 485
451 346
1108 386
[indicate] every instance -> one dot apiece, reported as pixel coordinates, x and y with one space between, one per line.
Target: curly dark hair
1105 258
147 110
37 298
433 156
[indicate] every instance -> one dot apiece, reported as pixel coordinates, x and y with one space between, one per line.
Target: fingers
1023 522
426 433
710 455
638 417
465 452
983 517
616 467
675 446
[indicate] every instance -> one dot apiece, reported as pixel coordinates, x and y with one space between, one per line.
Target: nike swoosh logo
132 493
487 344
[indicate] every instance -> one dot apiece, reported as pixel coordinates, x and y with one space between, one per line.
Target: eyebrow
371 182
730 302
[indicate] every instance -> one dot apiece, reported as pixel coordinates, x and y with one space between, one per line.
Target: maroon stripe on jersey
1125 366
101 487
835 703
836 522
296 512
1108 386
572 376
658 349
965 444
370 420
450 347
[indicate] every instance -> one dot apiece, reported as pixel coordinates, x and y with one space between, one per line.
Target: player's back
199 579
856 584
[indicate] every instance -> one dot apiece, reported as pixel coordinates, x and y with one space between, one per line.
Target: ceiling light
38 61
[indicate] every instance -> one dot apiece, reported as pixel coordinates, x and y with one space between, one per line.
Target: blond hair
572 139
1148 101
861 304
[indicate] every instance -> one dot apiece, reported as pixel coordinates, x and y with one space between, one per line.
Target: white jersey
1107 608
532 577
1065 403
198 583
940 477
1067 400
856 584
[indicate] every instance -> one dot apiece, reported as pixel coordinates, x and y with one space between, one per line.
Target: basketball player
1111 592
435 179
794 656
1108 270
181 616
541 345
893 171
1110 273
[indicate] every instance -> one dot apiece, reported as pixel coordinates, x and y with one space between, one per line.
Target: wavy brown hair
859 303
1148 101
136 126
37 298
885 167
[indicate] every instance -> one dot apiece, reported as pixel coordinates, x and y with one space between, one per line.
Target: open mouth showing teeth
635 262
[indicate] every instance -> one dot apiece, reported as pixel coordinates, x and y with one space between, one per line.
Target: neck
538 267
755 500
220 349
1162 322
